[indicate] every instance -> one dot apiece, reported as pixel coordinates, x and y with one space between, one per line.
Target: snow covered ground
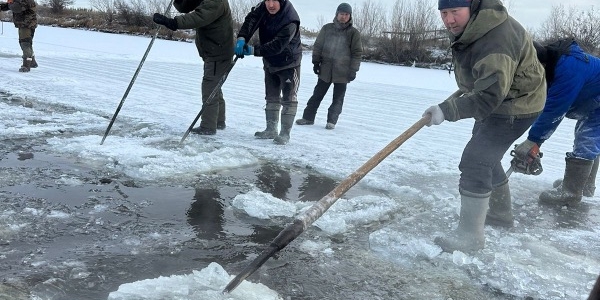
550 254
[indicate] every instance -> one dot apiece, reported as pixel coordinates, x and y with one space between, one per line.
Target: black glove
162 20
317 68
351 76
527 158
4 7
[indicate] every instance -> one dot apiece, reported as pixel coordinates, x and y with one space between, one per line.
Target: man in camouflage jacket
25 19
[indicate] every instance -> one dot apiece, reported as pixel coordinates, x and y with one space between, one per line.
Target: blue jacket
573 92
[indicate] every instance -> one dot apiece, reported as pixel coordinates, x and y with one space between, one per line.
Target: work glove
317 68
437 115
351 76
4 7
527 158
163 20
239 47
248 50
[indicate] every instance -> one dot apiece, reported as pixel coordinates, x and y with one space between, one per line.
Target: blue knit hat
443 4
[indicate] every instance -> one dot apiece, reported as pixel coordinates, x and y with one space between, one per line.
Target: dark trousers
480 164
335 109
281 87
214 109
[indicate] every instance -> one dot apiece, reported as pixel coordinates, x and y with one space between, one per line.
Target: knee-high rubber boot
272 118
287 121
34 63
500 212
590 185
469 236
26 67
577 171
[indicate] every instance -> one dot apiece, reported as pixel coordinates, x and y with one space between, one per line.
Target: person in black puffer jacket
278 26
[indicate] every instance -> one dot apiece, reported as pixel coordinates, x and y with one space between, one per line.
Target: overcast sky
531 13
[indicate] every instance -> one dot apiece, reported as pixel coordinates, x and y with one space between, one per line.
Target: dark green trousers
214 109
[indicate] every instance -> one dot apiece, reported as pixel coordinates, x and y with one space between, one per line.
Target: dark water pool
71 232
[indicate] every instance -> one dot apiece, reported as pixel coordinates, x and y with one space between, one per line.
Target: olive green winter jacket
338 51
214 29
496 68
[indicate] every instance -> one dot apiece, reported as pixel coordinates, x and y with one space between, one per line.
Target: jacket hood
485 15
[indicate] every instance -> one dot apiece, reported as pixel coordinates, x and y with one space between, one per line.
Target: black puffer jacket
279 35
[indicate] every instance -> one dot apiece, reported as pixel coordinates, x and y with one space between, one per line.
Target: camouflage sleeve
20 6
17 6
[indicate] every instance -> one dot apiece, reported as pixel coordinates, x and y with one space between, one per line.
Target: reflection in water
25 156
206 213
274 180
313 187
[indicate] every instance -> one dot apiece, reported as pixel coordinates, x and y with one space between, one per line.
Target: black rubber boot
570 192
34 63
590 185
26 67
203 131
500 212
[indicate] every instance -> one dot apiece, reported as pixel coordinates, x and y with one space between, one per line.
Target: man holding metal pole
278 26
214 39
25 19
501 85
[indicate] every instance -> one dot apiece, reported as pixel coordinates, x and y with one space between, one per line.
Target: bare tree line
583 25
410 32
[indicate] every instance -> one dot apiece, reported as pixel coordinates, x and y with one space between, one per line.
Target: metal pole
134 77
210 98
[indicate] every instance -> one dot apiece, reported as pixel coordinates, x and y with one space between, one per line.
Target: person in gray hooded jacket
336 59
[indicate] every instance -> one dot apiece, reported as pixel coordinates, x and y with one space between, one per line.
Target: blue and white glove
437 115
239 47
248 50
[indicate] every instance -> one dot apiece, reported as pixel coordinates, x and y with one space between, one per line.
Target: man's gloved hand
317 68
437 115
239 47
351 76
4 7
248 50
163 20
527 158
